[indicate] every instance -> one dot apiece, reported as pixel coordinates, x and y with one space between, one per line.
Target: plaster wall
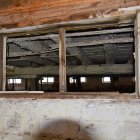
69 119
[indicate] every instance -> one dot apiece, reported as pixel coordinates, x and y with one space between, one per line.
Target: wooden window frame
62 27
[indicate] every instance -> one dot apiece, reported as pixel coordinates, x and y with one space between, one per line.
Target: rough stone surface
69 119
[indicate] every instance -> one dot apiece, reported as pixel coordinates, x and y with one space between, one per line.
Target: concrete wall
69 119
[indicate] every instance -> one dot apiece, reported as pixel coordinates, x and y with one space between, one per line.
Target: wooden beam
2 62
88 33
125 18
33 46
62 61
35 59
100 42
25 30
73 70
101 32
137 53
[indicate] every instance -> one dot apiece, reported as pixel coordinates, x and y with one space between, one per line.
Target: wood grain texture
21 13
62 61
1 62
137 53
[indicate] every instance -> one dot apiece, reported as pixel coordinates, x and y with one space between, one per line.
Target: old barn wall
65 119
69 119
19 13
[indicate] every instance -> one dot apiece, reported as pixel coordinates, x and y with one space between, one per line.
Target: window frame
62 50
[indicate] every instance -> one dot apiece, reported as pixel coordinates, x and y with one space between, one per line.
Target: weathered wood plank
137 53
74 70
17 13
94 22
100 42
2 62
87 33
62 61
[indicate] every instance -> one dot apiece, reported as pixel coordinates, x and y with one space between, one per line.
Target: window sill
69 95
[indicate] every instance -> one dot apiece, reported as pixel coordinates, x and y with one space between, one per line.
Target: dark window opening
34 60
104 57
97 60
95 83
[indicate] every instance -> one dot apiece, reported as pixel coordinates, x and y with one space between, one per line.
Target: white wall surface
69 119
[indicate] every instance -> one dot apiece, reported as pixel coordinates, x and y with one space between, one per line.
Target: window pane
17 81
72 80
44 80
83 79
35 60
96 56
10 81
106 80
50 79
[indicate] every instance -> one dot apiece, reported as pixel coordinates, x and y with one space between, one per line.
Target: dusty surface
69 119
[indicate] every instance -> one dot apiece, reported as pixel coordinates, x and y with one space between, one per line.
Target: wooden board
20 13
74 70
62 61
2 62
137 53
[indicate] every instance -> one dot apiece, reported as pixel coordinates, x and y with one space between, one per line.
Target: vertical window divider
3 40
137 53
62 61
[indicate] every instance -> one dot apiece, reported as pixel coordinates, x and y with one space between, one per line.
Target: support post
137 53
62 61
2 62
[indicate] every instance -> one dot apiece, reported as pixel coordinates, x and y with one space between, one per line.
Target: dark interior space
98 60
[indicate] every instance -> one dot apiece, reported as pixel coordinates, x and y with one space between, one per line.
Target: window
106 80
35 59
45 80
48 80
15 81
97 58
83 79
79 59
72 80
